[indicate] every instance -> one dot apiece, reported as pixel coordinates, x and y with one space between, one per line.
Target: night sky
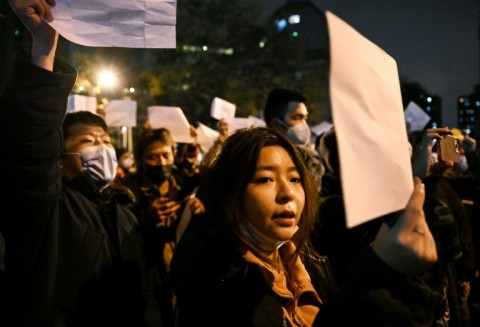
434 42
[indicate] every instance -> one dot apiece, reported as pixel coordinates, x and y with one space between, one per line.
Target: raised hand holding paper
371 134
117 23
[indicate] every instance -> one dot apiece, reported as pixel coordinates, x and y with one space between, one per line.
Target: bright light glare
294 19
107 79
132 90
281 24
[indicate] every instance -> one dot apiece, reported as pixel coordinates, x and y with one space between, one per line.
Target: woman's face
274 198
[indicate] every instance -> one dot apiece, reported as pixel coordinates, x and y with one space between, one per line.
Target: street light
107 79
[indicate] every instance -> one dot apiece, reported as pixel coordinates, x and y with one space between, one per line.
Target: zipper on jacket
297 319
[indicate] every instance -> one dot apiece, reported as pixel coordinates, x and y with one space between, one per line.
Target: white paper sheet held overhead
222 109
119 113
206 137
370 125
257 121
238 123
321 128
117 23
173 119
78 102
415 117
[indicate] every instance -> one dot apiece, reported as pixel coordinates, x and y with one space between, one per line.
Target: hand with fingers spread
408 246
164 211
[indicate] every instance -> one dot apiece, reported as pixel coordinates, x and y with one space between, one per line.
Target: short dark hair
148 137
83 117
276 105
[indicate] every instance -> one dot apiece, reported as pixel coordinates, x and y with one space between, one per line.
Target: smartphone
448 149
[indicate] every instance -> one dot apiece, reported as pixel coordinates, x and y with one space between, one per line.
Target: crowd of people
251 232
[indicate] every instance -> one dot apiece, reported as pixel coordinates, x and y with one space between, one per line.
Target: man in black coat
72 255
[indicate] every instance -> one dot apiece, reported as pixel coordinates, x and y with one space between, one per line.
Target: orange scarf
300 300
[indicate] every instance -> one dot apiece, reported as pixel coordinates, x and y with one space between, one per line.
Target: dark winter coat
73 256
215 286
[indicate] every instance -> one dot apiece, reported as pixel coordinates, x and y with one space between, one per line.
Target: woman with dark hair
251 263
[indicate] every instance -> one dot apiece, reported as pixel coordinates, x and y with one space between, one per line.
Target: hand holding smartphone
448 149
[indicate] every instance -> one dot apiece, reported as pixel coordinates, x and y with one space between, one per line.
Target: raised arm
35 14
32 108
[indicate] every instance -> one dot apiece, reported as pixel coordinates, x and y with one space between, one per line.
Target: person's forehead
86 129
296 107
159 147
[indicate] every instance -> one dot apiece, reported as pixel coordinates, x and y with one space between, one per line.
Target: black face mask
158 174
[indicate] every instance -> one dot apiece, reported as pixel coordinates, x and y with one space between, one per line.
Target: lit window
428 108
281 24
294 19
461 100
477 103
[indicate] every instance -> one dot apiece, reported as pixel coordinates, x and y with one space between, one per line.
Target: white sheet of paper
183 223
239 122
321 128
222 109
78 102
368 117
117 23
206 136
173 119
119 113
416 118
257 121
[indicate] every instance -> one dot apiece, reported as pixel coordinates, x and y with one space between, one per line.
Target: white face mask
100 162
260 239
299 133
